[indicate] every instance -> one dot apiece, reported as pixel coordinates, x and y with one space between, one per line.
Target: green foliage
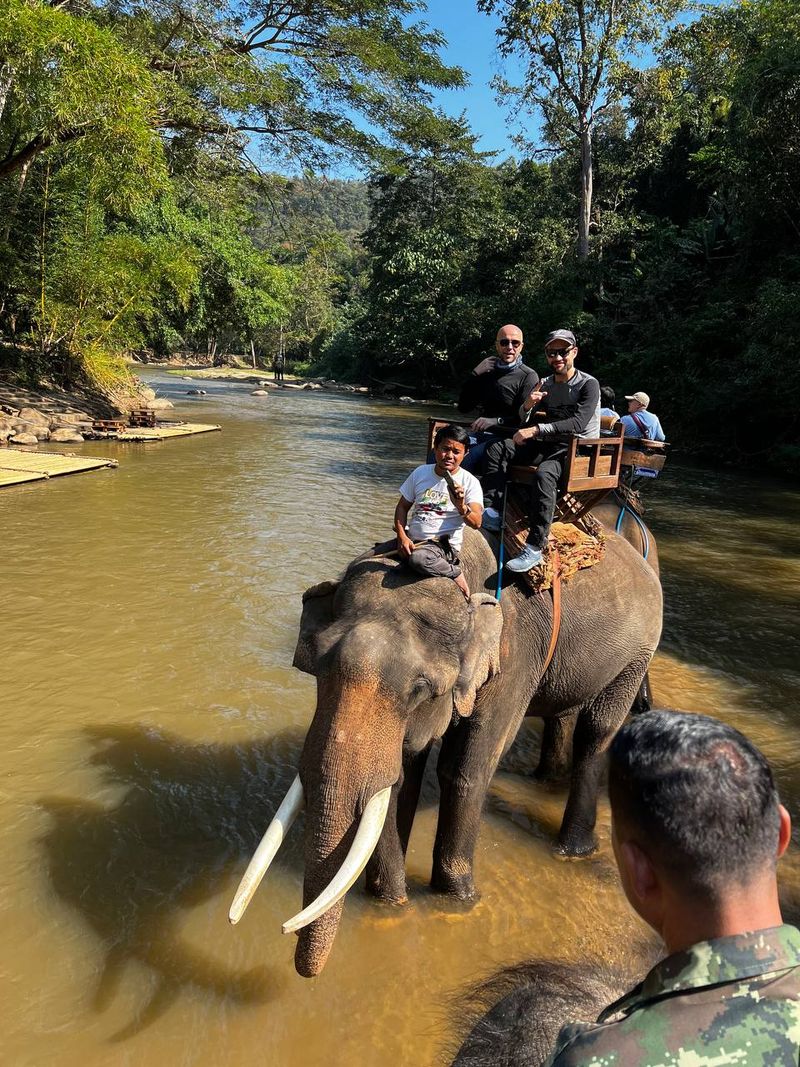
127 130
100 291
693 288
70 87
575 56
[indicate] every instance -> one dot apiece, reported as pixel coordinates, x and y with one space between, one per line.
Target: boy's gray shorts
433 560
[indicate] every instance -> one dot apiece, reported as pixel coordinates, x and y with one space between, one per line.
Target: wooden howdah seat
639 453
591 470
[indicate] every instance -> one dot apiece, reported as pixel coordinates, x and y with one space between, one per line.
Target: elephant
402 661
554 758
521 1009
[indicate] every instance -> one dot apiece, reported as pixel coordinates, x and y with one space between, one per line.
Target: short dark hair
452 433
701 794
608 397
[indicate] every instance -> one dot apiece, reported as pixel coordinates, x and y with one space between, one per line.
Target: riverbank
31 416
265 380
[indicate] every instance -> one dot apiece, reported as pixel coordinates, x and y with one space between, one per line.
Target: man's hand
485 366
457 496
483 424
534 397
528 434
405 546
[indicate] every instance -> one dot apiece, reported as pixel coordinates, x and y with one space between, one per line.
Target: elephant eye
422 688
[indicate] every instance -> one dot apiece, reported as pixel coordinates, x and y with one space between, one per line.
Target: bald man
497 388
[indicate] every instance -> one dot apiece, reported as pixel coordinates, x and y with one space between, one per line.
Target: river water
153 721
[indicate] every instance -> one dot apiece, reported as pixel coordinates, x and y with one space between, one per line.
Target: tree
312 81
572 52
121 109
68 85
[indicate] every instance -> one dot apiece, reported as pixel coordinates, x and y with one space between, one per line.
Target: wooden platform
158 433
18 466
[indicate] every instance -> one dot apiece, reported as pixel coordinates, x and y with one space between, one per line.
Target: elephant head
396 659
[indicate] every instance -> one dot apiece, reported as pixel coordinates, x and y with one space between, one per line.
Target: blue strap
645 539
501 552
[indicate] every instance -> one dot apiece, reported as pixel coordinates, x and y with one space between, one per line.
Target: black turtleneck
498 394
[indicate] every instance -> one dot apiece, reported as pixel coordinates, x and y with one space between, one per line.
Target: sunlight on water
153 723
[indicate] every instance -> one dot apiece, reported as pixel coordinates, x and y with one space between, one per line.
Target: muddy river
152 720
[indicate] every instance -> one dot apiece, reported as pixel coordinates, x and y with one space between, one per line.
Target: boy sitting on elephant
444 497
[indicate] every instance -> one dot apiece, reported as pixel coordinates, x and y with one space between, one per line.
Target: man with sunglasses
570 403
497 387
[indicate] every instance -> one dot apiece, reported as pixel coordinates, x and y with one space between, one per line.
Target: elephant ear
481 655
317 616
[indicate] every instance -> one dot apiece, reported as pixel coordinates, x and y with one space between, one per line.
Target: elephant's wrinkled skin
521 1009
401 661
556 749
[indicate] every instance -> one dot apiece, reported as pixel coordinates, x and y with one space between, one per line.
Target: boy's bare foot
461 582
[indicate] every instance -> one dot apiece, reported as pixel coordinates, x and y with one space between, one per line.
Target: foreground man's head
697 827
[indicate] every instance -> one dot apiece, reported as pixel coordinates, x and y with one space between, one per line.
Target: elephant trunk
348 766
327 845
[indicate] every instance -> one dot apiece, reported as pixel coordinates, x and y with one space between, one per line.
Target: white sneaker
528 558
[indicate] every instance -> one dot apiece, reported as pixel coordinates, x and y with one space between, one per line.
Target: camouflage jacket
734 1000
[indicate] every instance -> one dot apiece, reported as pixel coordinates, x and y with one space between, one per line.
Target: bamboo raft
18 466
160 432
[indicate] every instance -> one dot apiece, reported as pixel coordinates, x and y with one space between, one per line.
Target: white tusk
290 808
367 835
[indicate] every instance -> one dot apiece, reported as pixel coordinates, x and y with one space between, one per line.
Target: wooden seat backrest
594 462
434 425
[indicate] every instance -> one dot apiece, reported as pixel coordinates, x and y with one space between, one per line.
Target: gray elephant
402 661
514 1017
556 747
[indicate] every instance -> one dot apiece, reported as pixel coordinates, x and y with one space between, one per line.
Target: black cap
561 335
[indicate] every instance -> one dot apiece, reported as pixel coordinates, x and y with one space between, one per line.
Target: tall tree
311 81
571 51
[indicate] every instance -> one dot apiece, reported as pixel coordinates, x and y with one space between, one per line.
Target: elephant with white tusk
402 661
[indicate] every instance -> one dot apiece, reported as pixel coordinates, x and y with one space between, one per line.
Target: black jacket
497 395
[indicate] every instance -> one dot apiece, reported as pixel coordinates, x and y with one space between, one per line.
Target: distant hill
334 205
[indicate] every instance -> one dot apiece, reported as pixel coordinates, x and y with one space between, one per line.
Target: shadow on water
188 822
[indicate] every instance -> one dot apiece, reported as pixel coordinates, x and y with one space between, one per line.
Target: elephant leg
554 758
386 876
468 758
386 870
596 726
408 799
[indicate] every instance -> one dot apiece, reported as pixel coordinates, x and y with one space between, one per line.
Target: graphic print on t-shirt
432 502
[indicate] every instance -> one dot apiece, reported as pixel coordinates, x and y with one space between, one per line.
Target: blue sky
471 44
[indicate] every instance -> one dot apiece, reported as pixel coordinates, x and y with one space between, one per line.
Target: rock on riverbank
32 416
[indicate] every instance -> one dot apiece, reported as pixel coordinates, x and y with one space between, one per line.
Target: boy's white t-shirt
434 513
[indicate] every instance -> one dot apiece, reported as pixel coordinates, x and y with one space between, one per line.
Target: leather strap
644 429
555 589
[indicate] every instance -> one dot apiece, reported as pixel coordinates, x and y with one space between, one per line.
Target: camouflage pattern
734 1000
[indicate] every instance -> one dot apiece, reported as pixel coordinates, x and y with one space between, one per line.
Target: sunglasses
509 341
554 353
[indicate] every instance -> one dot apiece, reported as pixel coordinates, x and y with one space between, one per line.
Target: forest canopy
165 187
